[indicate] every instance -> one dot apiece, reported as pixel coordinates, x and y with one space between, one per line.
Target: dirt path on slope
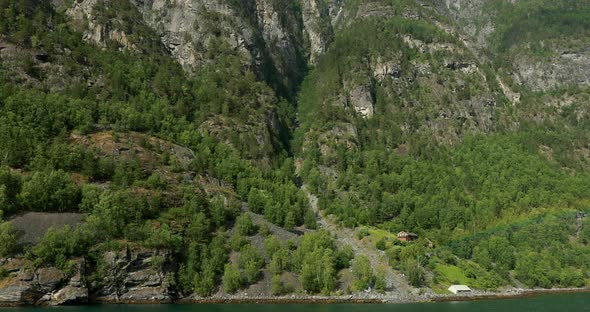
397 285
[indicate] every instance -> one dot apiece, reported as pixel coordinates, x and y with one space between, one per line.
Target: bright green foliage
280 255
162 238
363 273
232 279
315 260
115 210
272 245
250 263
277 287
205 281
202 265
538 250
264 230
237 241
244 225
58 245
8 239
280 261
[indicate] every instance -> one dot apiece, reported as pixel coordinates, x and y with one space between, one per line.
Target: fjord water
551 303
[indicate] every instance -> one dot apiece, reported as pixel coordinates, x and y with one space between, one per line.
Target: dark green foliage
585 234
24 20
403 187
381 244
343 257
533 22
10 187
310 220
52 191
415 272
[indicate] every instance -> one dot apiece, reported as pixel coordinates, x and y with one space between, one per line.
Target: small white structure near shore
459 289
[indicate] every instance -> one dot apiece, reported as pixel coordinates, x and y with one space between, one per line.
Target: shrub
415 272
8 238
232 280
59 245
363 273
381 244
250 262
50 191
245 226
277 287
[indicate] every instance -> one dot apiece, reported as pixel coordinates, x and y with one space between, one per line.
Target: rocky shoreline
302 299
143 276
511 294
365 299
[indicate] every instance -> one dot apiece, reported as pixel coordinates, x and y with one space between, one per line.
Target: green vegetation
8 239
244 225
160 158
363 273
232 280
540 23
317 262
396 171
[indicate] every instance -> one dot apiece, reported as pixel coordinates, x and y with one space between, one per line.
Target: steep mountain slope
410 123
539 44
229 149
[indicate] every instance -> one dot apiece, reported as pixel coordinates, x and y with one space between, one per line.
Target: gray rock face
95 31
15 292
477 21
317 22
49 279
187 28
127 276
43 286
135 276
361 100
267 36
569 68
69 295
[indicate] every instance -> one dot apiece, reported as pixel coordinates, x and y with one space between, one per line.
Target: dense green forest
147 93
494 192
391 173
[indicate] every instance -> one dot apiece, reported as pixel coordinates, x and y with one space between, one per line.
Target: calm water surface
551 303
